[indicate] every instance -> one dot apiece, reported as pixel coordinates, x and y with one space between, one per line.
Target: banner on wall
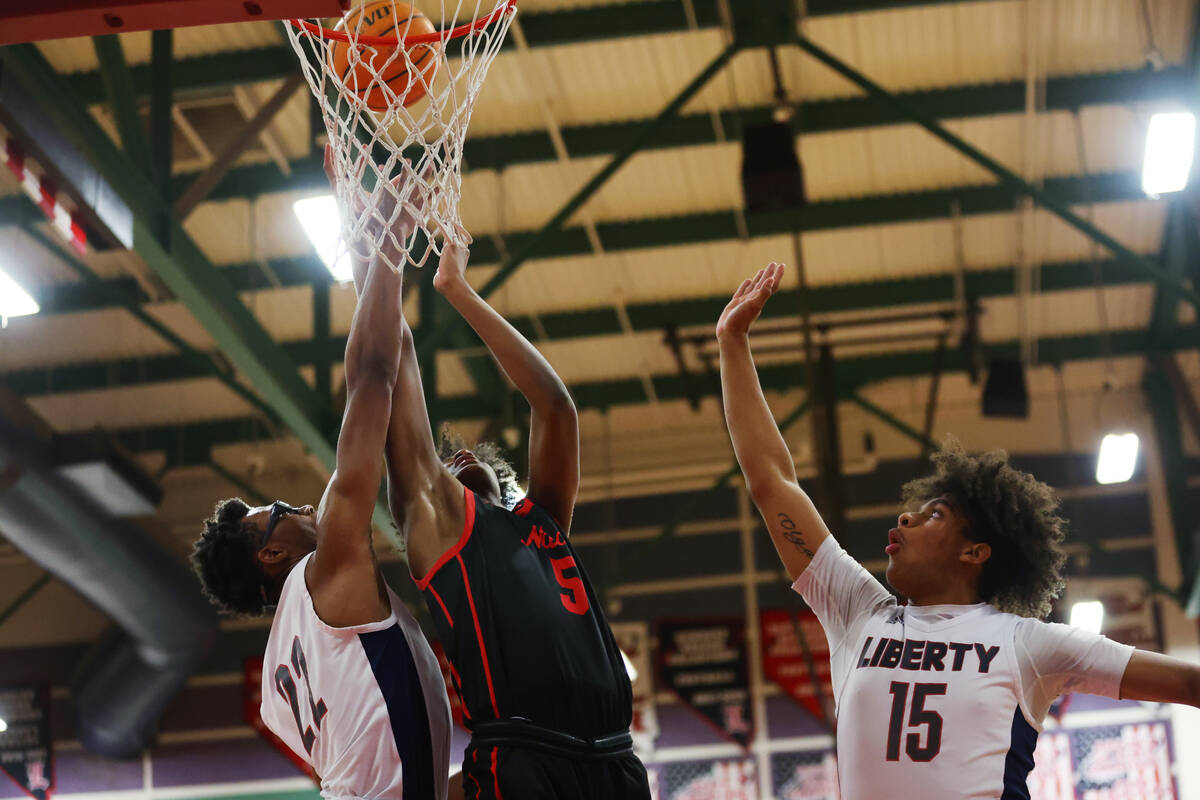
785 662
808 775
634 640
26 748
1120 761
705 664
707 780
251 700
1052 778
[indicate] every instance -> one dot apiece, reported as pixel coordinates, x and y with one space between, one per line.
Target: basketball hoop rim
504 7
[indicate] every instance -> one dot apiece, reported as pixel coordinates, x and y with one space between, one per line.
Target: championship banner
26 749
705 664
808 775
1123 761
785 663
251 700
707 780
634 640
456 705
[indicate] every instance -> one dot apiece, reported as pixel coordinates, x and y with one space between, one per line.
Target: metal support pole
647 132
24 597
162 127
1006 176
827 443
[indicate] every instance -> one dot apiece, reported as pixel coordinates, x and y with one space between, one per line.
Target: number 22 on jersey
285 684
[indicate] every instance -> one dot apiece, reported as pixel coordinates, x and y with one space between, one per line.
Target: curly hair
223 557
1014 513
490 454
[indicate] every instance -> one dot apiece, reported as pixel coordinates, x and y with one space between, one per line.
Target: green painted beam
1014 182
891 294
542 29
118 87
182 265
493 152
197 439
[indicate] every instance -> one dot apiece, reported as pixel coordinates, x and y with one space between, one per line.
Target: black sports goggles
279 510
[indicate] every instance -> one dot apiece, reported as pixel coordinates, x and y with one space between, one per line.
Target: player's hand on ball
748 301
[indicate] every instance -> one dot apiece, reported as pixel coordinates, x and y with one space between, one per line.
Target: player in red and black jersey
543 684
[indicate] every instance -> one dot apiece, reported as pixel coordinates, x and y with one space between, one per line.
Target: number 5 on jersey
285 684
577 603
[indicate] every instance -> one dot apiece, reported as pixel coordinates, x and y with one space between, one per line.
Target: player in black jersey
543 684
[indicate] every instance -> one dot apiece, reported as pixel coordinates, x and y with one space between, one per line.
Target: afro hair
490 454
223 557
1014 513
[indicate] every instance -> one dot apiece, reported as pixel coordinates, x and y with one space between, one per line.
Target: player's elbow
764 482
1193 686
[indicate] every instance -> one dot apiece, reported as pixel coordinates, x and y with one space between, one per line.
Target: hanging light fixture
1170 148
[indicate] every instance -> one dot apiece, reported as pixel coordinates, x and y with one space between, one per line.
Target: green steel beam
162 125
541 28
182 265
24 597
1009 178
822 116
650 316
197 439
118 85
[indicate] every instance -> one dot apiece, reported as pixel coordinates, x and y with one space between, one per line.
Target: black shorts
514 761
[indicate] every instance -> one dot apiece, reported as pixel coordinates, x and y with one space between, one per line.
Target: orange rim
458 32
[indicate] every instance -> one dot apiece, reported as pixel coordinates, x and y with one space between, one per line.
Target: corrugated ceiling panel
132 407
78 55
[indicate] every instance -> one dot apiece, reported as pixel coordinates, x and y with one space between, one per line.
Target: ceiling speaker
1004 394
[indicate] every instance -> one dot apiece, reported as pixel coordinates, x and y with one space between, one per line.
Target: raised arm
795 526
554 426
342 576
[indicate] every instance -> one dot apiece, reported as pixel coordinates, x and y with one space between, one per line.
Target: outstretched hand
748 301
452 268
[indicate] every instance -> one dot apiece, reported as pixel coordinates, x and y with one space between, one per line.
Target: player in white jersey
349 682
943 697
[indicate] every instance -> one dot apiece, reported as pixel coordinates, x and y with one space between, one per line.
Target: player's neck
948 595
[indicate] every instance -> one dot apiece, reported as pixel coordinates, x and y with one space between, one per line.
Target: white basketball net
390 160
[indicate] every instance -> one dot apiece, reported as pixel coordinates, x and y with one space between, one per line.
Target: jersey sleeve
1055 659
839 590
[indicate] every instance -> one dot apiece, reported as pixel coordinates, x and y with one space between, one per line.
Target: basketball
365 72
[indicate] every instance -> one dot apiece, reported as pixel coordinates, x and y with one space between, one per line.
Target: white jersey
366 706
940 702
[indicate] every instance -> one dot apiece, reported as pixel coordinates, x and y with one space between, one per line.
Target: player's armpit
796 528
1159 678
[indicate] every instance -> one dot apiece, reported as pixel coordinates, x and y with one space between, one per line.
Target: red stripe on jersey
495 775
487 670
468 524
471 775
438 597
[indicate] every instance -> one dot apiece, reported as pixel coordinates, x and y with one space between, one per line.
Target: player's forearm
520 360
373 346
760 449
1158 678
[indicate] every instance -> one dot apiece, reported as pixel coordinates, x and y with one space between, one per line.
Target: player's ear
271 555
976 553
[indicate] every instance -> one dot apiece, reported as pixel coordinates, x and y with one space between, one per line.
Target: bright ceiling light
1089 615
1170 145
14 301
1118 457
629 667
322 222
3 726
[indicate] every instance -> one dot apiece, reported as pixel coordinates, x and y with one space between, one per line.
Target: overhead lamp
1170 147
1088 615
1118 458
14 301
322 223
3 726
772 178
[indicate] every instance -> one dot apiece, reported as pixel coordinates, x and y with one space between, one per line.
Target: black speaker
772 179
1004 394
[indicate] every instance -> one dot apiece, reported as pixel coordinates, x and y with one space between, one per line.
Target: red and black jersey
522 628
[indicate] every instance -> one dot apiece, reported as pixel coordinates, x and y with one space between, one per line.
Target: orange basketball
364 68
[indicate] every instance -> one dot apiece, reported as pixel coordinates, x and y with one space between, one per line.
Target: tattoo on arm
792 535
